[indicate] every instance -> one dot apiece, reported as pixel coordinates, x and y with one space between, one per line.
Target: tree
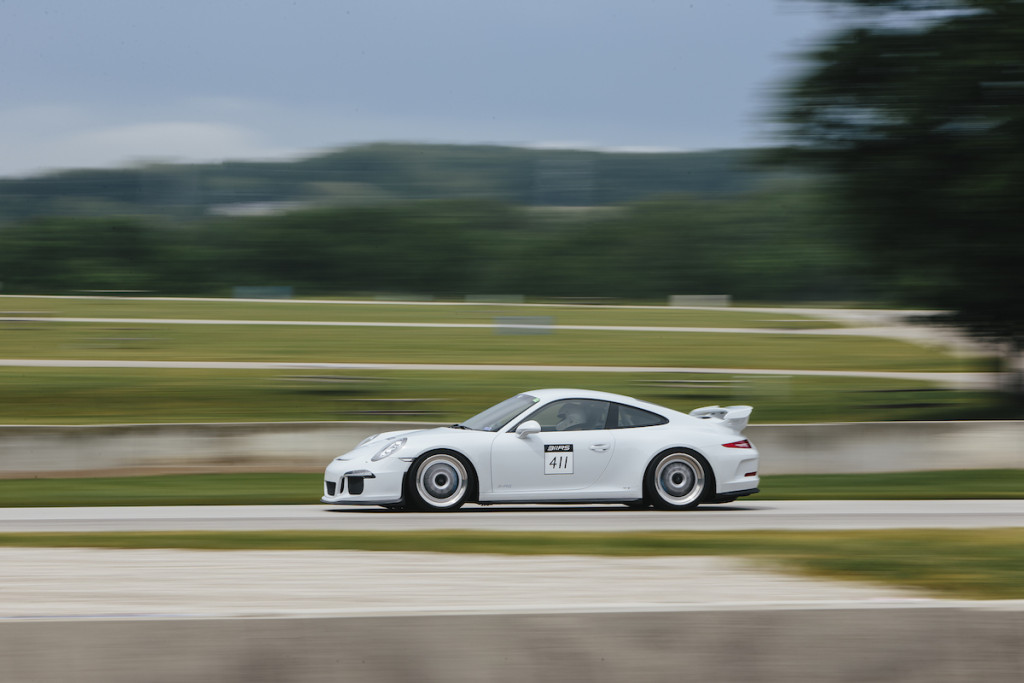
64 255
917 108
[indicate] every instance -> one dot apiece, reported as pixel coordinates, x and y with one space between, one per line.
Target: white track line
962 380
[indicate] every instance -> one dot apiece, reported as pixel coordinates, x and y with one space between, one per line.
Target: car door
570 453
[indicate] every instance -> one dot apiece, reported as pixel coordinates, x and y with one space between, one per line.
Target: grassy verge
114 396
435 312
976 564
939 485
168 489
304 489
270 343
82 396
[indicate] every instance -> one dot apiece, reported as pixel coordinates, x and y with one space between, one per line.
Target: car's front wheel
439 482
677 480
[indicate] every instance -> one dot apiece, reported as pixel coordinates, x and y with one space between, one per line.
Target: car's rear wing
733 417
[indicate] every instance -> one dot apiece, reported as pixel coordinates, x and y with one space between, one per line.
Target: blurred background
812 153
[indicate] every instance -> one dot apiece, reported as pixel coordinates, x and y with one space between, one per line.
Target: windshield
497 416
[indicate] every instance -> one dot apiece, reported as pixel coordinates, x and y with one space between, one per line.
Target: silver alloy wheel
679 479
441 481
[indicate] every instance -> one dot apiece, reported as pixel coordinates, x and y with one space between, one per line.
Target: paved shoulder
105 583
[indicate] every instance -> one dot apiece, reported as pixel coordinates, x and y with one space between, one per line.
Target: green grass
305 488
279 488
112 396
975 564
81 396
144 341
486 313
938 485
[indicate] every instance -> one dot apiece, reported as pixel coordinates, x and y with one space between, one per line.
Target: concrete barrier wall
283 446
888 446
911 645
309 446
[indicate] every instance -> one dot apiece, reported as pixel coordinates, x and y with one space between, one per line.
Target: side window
572 415
635 417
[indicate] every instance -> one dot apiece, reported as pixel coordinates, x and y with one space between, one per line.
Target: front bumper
358 486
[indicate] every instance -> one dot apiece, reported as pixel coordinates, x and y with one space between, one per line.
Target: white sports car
555 446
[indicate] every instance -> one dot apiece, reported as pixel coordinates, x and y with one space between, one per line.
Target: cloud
67 137
169 141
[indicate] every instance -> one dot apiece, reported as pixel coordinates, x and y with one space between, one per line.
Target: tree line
777 244
385 173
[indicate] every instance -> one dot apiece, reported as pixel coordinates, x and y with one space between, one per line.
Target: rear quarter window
637 417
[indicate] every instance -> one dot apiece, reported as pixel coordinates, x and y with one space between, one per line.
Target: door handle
600 447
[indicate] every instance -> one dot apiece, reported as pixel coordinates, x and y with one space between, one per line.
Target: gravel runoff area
41 583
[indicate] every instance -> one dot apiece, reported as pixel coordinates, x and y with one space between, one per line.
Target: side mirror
527 428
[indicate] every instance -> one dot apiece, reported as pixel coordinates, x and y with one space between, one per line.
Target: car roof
554 394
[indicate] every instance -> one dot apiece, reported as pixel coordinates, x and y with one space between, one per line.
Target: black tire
678 480
440 482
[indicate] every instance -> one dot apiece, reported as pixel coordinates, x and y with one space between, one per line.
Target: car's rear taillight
743 443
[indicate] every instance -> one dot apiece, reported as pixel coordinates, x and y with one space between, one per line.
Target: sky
118 82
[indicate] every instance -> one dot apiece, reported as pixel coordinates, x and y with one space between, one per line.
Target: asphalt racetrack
742 515
97 583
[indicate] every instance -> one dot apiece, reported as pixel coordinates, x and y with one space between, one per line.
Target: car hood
380 439
418 441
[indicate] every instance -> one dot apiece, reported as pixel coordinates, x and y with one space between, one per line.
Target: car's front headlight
390 449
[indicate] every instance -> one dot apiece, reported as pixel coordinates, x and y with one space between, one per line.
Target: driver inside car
570 417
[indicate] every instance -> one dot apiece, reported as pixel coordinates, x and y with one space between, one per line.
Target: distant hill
384 172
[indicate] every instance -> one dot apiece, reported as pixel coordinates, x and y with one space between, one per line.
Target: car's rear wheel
677 480
440 482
